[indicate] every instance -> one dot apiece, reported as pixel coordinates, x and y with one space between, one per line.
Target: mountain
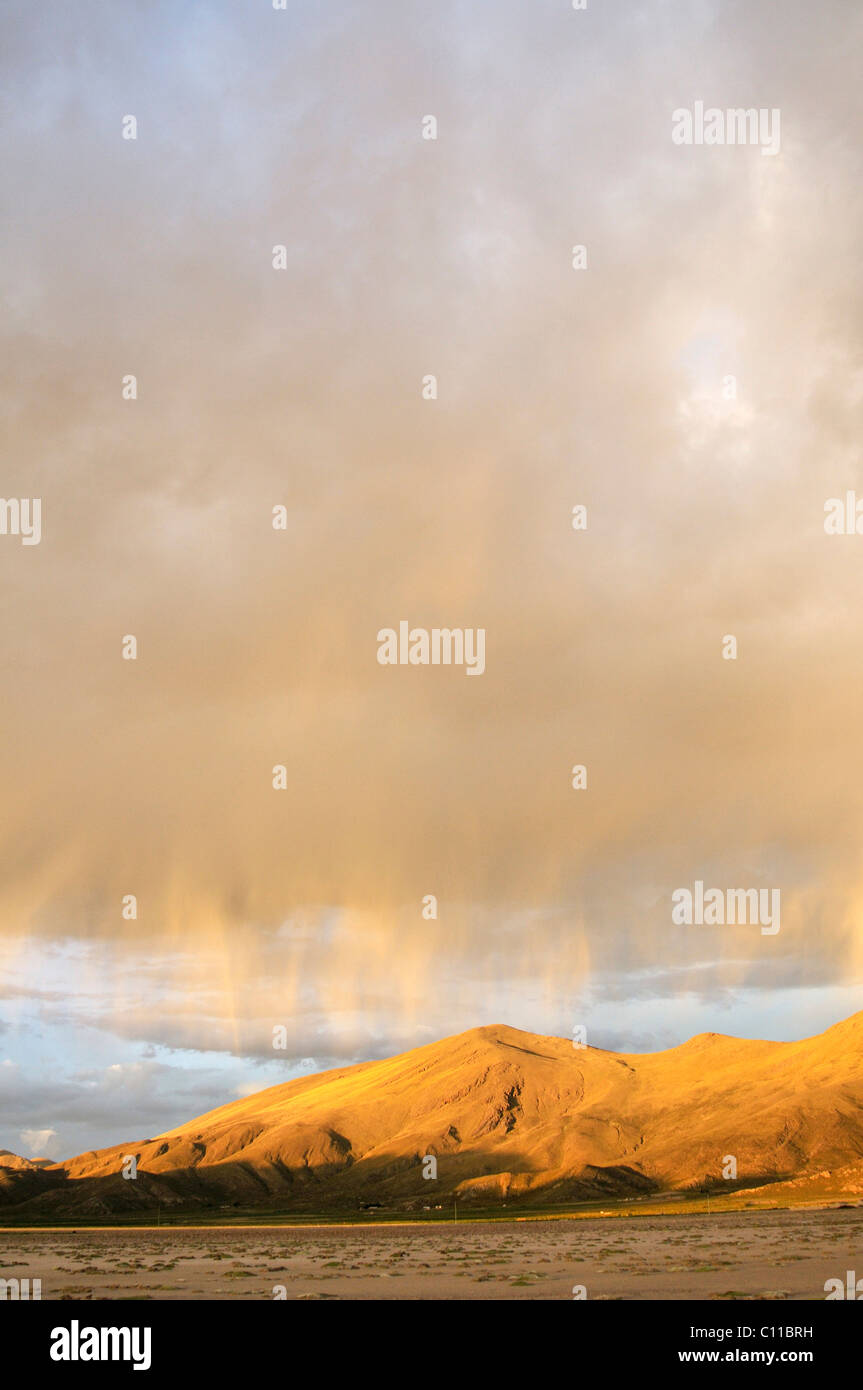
508 1116
10 1160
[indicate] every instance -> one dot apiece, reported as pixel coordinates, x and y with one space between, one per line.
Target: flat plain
777 1255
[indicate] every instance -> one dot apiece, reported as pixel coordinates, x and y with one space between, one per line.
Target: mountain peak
506 1114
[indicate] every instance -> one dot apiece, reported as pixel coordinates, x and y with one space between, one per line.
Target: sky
696 386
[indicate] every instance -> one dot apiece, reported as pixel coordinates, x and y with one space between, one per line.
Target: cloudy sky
301 387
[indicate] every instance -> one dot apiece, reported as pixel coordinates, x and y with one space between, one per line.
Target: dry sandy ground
786 1255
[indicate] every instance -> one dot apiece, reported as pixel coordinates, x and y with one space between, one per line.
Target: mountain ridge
505 1114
